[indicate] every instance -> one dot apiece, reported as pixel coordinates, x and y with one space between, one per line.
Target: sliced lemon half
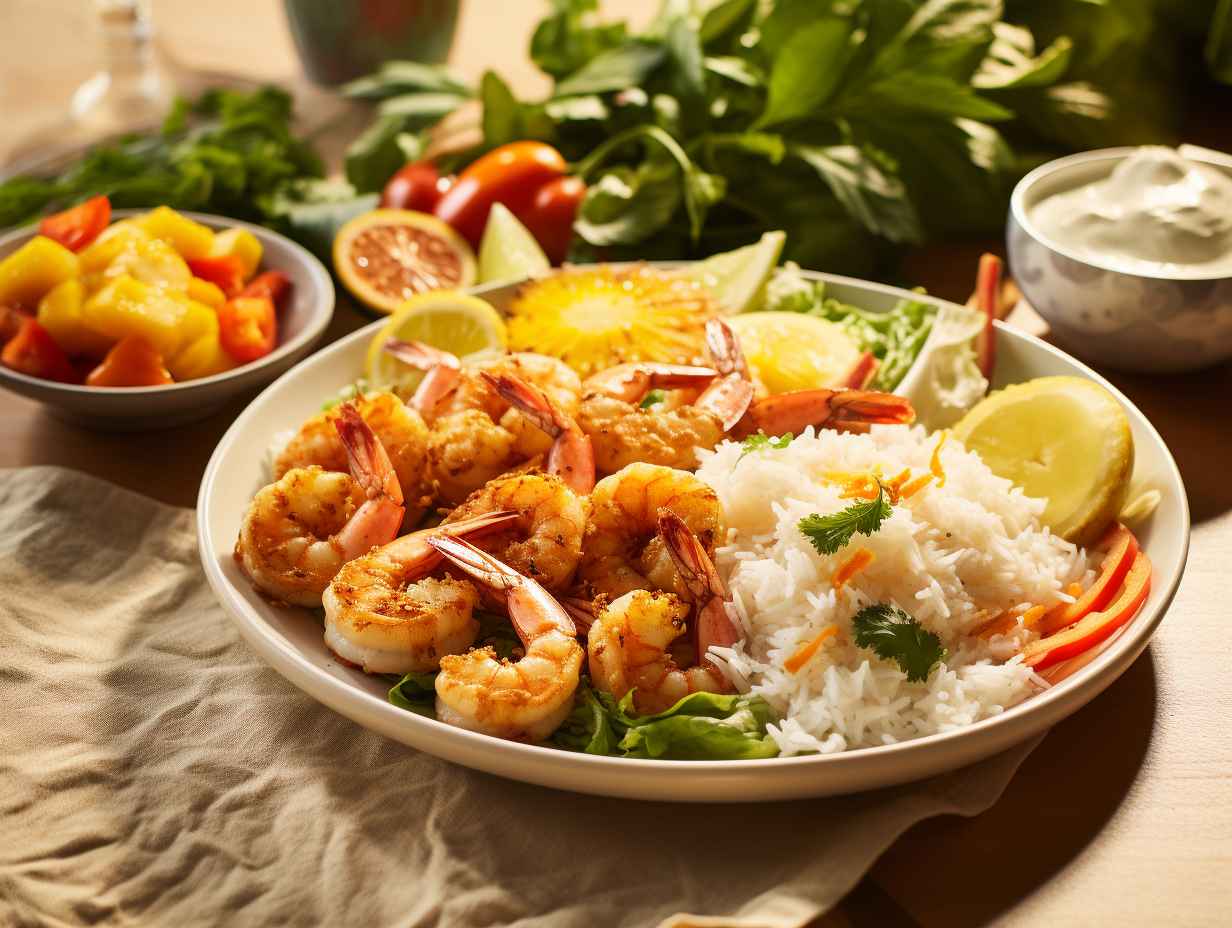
1065 439
455 322
792 351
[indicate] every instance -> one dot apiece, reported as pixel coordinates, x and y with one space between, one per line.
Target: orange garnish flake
852 566
1074 590
934 465
1005 622
862 486
894 486
912 487
805 652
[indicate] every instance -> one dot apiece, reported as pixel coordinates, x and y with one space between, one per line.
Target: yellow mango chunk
151 261
117 237
33 269
190 238
59 312
127 306
198 320
202 358
205 292
242 244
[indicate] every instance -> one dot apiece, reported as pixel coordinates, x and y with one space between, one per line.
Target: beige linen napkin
154 772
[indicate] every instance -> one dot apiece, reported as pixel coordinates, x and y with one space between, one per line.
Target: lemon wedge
445 319
1065 439
508 251
792 351
738 278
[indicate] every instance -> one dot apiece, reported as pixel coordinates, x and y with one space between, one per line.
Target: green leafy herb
652 398
763 442
829 533
415 692
895 636
357 388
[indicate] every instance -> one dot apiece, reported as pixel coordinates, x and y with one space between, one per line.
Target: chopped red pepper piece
131 362
271 284
224 271
248 327
77 227
34 352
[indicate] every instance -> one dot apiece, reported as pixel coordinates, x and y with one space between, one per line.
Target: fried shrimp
300 530
402 433
544 540
629 645
384 613
622 549
524 700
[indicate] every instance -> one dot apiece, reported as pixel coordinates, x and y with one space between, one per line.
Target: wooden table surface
1122 816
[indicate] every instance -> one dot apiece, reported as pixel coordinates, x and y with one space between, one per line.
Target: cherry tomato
33 351
511 174
551 213
77 227
131 362
273 285
413 186
225 271
248 327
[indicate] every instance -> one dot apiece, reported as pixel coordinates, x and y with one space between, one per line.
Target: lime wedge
737 278
1064 439
445 319
508 251
792 351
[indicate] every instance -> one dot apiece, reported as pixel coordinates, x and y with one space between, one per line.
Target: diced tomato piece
248 327
77 227
1096 626
224 271
1121 547
273 285
34 352
131 362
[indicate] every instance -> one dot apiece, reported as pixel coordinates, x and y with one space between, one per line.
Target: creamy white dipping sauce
1157 214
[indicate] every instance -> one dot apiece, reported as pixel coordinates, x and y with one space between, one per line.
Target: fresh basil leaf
628 65
569 38
312 211
415 692
590 108
725 20
684 62
876 199
1012 62
375 154
809 68
1218 49
502 120
912 93
626 205
420 109
395 78
942 38
736 70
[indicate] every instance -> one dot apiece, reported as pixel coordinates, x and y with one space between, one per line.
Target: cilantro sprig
763 442
893 635
829 533
652 398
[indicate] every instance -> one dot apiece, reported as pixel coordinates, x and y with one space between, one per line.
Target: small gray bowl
1131 322
301 321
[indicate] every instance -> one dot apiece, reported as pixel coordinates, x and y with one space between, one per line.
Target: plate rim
1014 725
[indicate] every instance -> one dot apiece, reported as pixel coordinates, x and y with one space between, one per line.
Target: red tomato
226 271
551 213
247 327
77 227
273 285
1095 626
414 186
511 174
131 362
33 351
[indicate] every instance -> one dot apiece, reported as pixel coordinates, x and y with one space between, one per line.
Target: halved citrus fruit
452 321
388 255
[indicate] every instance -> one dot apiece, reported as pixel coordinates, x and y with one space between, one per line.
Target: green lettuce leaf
415 692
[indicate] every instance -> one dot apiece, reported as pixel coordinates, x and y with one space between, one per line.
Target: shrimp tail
701 578
531 608
377 521
631 382
842 410
581 610
443 371
730 394
572 457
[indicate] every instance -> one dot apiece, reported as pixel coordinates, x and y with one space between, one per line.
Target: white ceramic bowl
301 321
1134 322
291 640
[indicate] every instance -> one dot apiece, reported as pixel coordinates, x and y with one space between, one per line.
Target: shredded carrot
1033 615
998 625
805 653
935 464
894 486
912 487
852 566
1074 590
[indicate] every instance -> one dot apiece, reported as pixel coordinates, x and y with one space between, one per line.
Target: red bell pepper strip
225 271
1121 547
131 362
1096 626
862 372
34 352
987 295
77 227
273 285
248 327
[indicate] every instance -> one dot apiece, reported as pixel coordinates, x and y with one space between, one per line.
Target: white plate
291 639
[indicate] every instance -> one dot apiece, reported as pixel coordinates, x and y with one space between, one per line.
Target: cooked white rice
951 556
